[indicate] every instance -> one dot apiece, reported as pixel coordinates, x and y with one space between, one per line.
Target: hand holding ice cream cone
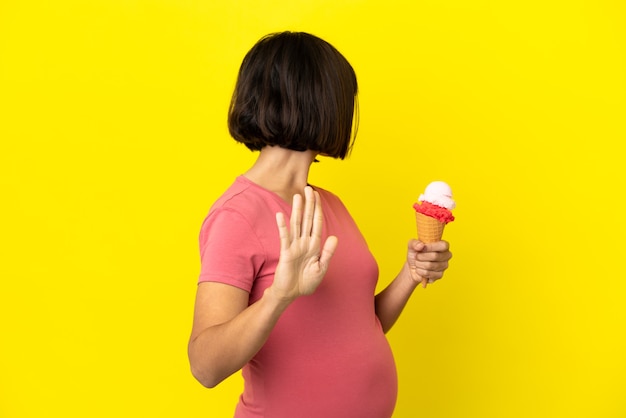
432 213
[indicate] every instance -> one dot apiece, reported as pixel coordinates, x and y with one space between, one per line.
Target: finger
428 268
296 215
318 217
428 276
310 200
438 247
434 258
416 245
430 271
283 232
328 250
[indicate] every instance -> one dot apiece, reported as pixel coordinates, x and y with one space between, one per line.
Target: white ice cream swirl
438 193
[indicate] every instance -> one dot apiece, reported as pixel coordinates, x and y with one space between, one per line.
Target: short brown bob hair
296 91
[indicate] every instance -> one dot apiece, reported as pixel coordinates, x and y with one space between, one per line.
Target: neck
284 172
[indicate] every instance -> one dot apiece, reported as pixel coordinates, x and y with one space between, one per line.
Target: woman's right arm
227 332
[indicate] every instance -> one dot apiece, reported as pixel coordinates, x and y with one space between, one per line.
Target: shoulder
234 197
245 196
242 201
228 214
330 200
245 210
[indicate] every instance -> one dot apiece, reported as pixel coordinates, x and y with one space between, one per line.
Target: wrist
410 276
276 300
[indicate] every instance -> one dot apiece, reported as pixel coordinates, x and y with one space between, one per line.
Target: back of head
296 91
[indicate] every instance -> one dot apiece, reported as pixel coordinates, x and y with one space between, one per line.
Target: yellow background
114 145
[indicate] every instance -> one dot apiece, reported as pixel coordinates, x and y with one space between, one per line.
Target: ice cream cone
432 213
428 230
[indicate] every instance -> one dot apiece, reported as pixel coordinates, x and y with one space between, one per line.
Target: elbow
203 371
208 370
207 379
200 368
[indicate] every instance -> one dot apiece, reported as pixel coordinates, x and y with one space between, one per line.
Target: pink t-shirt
327 356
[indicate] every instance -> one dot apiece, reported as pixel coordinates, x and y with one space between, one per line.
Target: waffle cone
428 229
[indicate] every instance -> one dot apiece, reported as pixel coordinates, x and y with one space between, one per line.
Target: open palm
303 261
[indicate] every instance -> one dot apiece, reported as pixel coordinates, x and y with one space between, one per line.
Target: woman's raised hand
303 260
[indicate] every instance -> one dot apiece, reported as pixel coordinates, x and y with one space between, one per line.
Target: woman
293 303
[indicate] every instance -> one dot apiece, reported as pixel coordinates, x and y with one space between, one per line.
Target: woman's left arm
423 261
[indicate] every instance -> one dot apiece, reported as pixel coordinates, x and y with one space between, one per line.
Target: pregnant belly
350 375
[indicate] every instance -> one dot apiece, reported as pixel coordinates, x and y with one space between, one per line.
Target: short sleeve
230 251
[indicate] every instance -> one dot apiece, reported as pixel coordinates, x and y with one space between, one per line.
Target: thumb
416 245
328 250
